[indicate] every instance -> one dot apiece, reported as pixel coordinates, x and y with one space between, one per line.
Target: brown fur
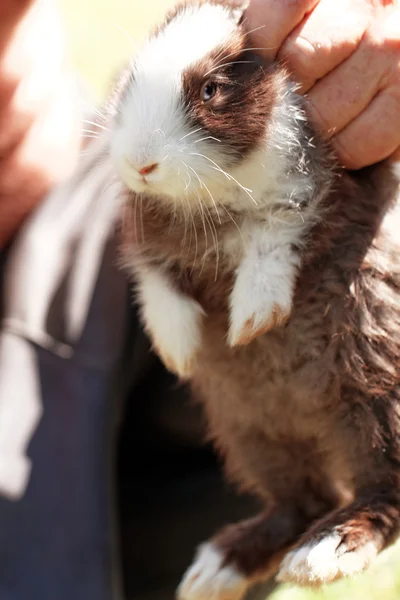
307 415
238 85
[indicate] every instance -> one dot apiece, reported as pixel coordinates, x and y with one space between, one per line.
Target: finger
270 22
345 92
328 36
374 135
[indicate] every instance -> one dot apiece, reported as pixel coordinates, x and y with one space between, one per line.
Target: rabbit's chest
281 383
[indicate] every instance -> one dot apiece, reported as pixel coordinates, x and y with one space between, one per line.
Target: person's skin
346 56
39 110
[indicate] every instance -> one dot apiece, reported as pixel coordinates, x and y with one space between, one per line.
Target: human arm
39 109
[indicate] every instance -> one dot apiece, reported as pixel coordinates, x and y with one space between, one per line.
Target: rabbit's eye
208 91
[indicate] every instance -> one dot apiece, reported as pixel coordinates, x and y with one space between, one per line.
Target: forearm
39 109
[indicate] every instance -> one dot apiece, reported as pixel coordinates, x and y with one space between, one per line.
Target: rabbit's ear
239 9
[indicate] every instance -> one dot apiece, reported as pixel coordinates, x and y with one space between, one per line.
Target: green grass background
102 34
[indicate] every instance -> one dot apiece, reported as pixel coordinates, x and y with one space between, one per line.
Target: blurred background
102 34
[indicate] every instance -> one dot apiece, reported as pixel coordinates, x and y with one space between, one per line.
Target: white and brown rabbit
270 279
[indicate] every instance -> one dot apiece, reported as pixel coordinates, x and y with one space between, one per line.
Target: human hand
39 113
346 56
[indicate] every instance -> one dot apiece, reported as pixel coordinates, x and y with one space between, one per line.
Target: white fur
172 320
265 280
208 579
153 127
325 561
396 170
153 124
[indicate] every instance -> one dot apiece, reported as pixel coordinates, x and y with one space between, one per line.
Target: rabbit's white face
196 107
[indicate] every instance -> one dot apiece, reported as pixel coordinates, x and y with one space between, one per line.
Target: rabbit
267 278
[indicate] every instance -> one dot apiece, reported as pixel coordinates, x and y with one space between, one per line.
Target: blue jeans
61 386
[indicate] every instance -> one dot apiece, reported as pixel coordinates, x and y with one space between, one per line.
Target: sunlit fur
268 278
155 123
